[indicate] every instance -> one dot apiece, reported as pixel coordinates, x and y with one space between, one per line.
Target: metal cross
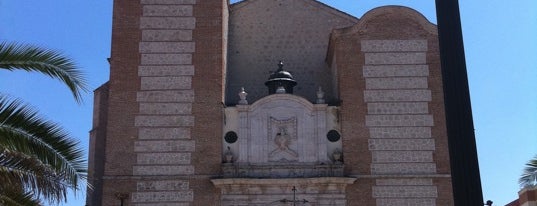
294 201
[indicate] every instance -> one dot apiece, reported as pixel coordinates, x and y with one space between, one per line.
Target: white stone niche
281 136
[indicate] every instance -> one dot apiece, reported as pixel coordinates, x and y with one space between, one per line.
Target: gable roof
328 9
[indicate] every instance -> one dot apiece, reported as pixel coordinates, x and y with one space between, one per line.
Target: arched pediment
397 12
391 21
276 100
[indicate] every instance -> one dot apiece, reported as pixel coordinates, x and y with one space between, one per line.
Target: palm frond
529 174
20 172
15 56
17 198
22 131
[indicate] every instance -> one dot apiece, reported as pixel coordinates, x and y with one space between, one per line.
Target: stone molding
283 181
254 191
282 170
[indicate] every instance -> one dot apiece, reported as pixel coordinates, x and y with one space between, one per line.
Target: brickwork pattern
397 95
408 192
396 112
165 129
121 107
164 146
295 31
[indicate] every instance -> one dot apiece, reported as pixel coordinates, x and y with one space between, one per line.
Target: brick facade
159 122
396 122
158 135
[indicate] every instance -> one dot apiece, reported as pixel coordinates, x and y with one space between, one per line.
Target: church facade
269 102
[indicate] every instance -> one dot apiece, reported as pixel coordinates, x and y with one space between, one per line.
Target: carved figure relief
282 136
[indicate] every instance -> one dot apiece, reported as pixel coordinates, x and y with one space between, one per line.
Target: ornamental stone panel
406 202
403 168
399 120
168 1
167 35
175 70
397 95
394 58
398 108
174 196
401 156
400 132
166 59
163 170
163 204
167 10
404 191
166 83
401 144
393 45
162 158
412 181
396 83
165 108
164 121
165 96
162 185
167 22
164 133
395 71
167 47
164 146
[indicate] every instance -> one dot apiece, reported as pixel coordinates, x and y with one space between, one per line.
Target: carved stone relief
280 129
283 140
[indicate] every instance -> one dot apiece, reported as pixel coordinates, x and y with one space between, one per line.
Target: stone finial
242 96
228 155
320 96
337 156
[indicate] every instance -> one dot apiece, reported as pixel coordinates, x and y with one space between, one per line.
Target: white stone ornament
229 155
242 96
320 96
337 156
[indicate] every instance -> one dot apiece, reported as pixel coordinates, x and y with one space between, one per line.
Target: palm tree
38 159
529 175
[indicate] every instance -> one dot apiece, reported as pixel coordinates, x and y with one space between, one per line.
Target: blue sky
500 39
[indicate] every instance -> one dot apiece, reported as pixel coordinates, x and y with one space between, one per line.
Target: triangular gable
324 7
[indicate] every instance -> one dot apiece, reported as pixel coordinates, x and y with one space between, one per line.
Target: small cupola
280 81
